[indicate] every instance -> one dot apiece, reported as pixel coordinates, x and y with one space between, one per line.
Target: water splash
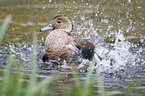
118 56
114 55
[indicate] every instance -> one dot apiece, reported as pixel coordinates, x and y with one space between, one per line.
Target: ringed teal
61 45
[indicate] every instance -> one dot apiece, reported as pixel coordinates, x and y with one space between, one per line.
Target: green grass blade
129 89
89 81
100 84
101 89
6 82
31 90
77 87
4 27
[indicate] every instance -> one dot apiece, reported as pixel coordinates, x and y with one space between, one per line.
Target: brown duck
61 45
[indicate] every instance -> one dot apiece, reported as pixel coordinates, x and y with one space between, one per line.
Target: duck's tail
98 56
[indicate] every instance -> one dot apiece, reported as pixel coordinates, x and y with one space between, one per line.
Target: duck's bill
49 27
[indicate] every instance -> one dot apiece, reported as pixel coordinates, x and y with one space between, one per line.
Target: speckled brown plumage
57 44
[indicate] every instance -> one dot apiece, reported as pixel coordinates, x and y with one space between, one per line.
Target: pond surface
116 27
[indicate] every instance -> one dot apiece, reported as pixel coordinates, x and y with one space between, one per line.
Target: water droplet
139 7
43 7
83 18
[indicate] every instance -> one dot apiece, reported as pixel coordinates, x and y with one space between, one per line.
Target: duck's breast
56 43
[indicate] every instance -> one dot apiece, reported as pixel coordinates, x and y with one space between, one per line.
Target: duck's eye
59 21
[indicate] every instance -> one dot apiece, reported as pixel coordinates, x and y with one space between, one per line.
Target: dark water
116 27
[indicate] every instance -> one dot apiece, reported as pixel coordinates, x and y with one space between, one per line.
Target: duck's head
59 22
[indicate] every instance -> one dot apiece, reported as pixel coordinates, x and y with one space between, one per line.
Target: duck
59 43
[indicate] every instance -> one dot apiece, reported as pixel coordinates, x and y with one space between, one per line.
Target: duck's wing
86 48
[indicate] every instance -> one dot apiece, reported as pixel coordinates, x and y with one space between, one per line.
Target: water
115 27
